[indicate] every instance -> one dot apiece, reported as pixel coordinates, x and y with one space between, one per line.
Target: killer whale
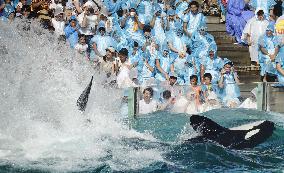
235 139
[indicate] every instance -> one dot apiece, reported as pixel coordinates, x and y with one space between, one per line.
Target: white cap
89 4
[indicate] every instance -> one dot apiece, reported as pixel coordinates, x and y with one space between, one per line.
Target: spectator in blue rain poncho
132 24
268 50
264 5
177 42
192 66
71 32
113 6
8 11
100 43
179 67
211 64
181 7
146 67
135 54
158 25
163 64
228 82
193 19
201 41
145 11
173 23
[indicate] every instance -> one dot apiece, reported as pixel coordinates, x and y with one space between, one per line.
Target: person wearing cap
100 43
158 24
72 32
58 23
163 64
193 19
268 50
201 41
228 83
211 64
106 63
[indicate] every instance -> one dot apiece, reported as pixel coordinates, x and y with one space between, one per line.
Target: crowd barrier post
261 96
132 105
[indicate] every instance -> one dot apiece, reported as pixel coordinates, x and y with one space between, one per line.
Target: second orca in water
250 137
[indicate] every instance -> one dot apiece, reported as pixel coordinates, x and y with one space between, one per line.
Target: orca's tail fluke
83 99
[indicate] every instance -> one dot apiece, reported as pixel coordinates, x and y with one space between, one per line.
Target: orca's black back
235 139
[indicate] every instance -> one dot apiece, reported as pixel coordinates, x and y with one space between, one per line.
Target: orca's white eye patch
251 133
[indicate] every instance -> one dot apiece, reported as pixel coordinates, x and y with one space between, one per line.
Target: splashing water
42 130
40 126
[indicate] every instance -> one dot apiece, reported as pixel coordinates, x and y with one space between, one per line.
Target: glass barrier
195 100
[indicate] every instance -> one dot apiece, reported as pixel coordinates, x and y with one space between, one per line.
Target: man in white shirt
147 104
255 28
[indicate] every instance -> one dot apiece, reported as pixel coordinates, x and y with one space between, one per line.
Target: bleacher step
213 20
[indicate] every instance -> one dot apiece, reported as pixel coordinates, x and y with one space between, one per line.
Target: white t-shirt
58 26
145 108
92 20
81 48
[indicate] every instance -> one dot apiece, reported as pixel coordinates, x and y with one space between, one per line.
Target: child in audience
193 96
209 95
82 46
228 83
